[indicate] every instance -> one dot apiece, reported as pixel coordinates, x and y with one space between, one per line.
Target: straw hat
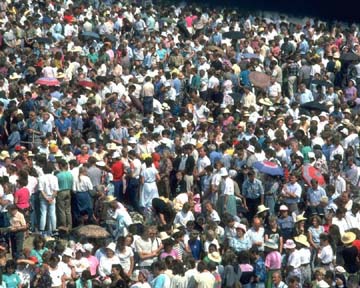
215 257
60 75
164 236
226 111
265 102
271 244
240 226
348 238
261 208
289 244
66 141
323 284
14 76
300 218
109 198
111 147
4 154
210 120
302 240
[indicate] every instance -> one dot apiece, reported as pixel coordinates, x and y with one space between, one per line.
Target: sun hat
111 147
322 284
348 237
111 246
100 163
226 111
116 154
109 198
165 106
223 172
301 239
132 140
340 269
68 252
300 218
271 244
262 208
240 226
251 149
265 101
289 244
14 76
215 257
88 247
91 140
164 236
66 141
4 154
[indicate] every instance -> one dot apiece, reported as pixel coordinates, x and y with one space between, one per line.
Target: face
109 253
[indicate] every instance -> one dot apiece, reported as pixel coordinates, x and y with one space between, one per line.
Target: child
11 279
25 270
259 268
84 281
17 228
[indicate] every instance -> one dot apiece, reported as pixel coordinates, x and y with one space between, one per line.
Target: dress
227 189
149 189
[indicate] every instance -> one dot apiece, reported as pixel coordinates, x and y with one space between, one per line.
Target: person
253 191
18 226
84 280
293 263
227 201
48 187
10 278
148 247
148 178
325 254
277 281
160 278
259 267
107 261
183 216
126 256
304 250
118 277
272 260
204 279
240 241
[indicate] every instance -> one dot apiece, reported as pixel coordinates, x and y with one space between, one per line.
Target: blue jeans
47 212
132 190
34 215
118 190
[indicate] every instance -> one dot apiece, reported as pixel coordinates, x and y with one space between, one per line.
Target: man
277 281
256 234
274 91
314 195
133 179
117 169
187 165
253 191
63 126
305 95
202 162
353 216
291 193
148 247
63 198
94 172
338 182
204 279
118 133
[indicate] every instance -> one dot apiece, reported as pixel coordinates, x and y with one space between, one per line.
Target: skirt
230 205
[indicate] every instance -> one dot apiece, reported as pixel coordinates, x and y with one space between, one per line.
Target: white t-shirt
125 258
182 218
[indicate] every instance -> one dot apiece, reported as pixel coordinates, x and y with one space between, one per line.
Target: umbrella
92 231
268 167
349 57
233 35
314 105
109 37
260 80
46 81
87 83
90 35
216 49
322 83
310 172
249 56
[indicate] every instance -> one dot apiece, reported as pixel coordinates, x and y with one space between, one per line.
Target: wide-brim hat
223 172
240 226
265 101
4 154
301 239
271 244
14 76
164 236
300 218
110 198
215 257
261 208
348 238
289 244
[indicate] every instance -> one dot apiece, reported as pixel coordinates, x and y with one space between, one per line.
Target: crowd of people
213 147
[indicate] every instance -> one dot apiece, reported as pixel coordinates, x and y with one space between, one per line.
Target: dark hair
10 264
178 268
201 267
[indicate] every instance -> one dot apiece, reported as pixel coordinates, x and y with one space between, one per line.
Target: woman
227 201
273 232
313 234
240 242
142 280
169 249
48 187
56 272
82 187
164 171
350 92
22 196
38 248
299 228
126 256
148 179
11 279
108 260
178 280
119 279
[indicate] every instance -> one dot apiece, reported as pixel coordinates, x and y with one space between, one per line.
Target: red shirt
82 159
117 169
23 198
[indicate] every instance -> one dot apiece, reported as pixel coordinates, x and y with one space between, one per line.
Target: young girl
11 279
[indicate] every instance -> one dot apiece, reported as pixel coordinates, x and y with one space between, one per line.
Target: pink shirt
273 260
23 198
94 263
173 254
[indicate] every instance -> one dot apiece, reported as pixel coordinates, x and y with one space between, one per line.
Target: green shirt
65 180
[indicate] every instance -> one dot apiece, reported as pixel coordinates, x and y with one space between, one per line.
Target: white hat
165 106
251 149
323 114
272 109
289 244
311 154
164 236
88 247
284 208
132 140
271 244
167 84
226 111
240 226
323 284
340 269
111 246
261 208
223 172
68 252
163 34
66 141
345 131
91 140
100 163
14 76
116 154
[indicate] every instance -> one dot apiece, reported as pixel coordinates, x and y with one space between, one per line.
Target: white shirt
227 186
106 263
182 218
202 163
82 184
305 256
341 223
256 236
294 259
48 184
326 254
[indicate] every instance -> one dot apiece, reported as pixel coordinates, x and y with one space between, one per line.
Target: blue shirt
260 270
240 244
196 248
63 125
214 157
306 97
314 196
12 281
252 190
